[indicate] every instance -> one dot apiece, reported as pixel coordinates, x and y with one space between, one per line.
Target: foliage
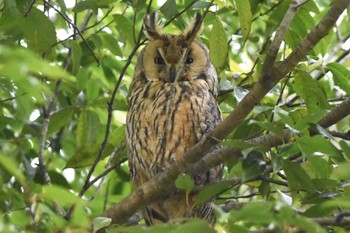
65 72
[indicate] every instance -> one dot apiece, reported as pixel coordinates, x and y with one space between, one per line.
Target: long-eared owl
172 107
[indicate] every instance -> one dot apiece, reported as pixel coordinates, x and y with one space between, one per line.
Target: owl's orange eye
189 60
159 61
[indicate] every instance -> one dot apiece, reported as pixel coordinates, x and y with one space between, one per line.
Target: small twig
30 8
180 13
149 7
42 145
76 29
341 218
282 175
87 28
276 42
85 22
11 98
108 170
98 22
271 180
345 136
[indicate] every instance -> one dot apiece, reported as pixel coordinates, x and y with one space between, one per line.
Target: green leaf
320 166
169 8
57 178
310 90
252 166
184 182
345 148
275 127
60 119
218 45
92 90
297 177
194 226
285 117
341 76
20 218
39 31
245 17
292 39
111 43
124 27
341 172
76 56
318 145
199 5
212 191
319 210
290 217
9 164
92 4
260 213
60 195
84 5
88 128
311 118
101 222
84 156
190 226
20 62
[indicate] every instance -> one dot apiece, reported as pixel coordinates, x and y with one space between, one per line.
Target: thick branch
338 113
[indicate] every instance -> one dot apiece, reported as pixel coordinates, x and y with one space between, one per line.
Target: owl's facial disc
173 61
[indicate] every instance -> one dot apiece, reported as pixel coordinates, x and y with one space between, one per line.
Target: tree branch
76 29
276 43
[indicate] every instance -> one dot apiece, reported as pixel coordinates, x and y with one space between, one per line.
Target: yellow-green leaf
60 195
88 128
245 17
39 31
184 182
60 119
218 45
341 76
310 90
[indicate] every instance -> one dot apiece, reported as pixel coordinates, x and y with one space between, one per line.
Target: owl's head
172 58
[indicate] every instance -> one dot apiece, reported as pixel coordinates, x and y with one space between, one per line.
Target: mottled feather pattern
167 116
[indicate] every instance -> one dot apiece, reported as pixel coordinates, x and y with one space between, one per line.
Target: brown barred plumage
172 106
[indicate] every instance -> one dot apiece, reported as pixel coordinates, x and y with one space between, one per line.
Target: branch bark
162 185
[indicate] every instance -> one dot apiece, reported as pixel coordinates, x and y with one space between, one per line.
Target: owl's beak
172 74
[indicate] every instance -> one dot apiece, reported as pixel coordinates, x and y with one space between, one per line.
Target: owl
172 106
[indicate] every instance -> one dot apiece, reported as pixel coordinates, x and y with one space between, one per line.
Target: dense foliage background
65 71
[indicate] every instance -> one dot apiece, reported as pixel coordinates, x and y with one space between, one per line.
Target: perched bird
172 106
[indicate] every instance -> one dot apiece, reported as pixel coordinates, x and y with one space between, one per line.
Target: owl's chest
175 102
171 117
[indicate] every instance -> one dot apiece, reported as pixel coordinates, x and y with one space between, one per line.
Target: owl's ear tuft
152 27
194 28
